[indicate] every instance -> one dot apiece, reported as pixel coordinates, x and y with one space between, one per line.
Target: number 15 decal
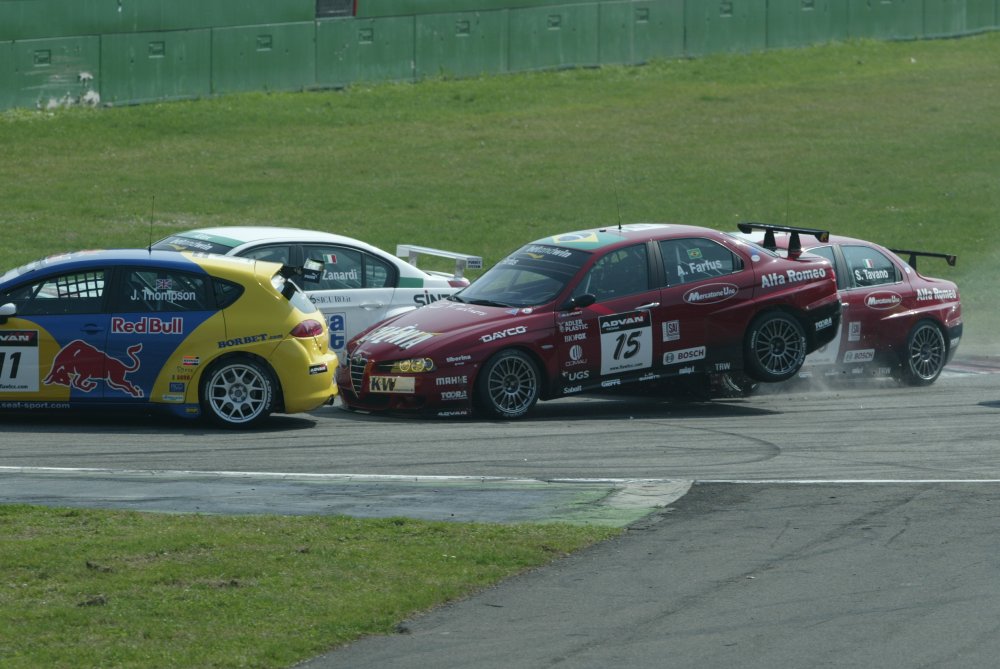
626 342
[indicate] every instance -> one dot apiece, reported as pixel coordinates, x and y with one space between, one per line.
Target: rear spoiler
794 244
912 257
462 261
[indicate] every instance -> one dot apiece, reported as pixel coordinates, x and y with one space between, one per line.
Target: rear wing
794 243
462 261
912 257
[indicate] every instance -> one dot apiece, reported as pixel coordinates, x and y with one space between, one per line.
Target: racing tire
925 355
238 393
775 347
508 384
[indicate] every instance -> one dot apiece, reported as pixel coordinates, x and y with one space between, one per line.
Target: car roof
237 235
103 257
596 238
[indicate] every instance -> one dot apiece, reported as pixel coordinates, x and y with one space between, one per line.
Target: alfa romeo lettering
791 276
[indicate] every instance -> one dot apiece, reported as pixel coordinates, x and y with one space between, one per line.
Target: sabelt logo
883 300
711 293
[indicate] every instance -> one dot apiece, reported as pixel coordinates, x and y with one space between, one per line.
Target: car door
706 304
611 341
53 348
154 311
871 301
355 290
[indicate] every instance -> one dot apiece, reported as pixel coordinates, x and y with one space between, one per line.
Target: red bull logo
80 365
148 325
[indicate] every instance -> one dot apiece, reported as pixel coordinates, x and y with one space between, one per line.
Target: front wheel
238 392
508 384
775 347
925 355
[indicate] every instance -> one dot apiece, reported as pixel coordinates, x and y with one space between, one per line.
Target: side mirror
579 302
6 311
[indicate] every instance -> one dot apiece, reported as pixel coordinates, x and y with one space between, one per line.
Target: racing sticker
391 384
684 355
337 324
19 361
626 342
711 293
80 365
883 300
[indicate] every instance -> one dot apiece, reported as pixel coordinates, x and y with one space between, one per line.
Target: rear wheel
925 355
508 384
238 392
775 347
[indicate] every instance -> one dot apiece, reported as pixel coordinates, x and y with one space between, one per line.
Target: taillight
308 328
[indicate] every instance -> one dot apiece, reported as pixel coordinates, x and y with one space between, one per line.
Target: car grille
358 365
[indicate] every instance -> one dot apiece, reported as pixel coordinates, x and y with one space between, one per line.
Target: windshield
532 275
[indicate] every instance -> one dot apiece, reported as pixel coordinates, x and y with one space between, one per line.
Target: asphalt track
851 525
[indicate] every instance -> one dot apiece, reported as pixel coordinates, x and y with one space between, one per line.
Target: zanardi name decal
711 293
883 300
791 276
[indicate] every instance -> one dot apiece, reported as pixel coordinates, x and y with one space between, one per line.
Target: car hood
445 323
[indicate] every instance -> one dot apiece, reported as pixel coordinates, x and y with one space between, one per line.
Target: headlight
409 366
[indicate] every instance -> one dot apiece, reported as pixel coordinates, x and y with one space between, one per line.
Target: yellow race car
194 334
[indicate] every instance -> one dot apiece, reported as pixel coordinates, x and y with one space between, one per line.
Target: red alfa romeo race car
597 309
895 321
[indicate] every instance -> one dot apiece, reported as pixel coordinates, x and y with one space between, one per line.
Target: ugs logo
577 376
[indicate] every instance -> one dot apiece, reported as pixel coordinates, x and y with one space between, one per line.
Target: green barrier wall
131 51
463 44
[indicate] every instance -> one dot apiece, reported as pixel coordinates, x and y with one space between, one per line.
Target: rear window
293 294
183 243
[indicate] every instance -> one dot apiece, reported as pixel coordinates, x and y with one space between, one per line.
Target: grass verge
83 588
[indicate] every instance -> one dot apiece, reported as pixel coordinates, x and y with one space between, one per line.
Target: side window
281 253
619 273
342 267
827 252
696 259
150 289
346 268
75 293
869 267
378 273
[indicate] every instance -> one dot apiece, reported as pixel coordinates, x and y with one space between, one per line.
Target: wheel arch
204 373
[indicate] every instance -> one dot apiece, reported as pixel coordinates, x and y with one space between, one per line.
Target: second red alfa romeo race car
597 309
895 321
